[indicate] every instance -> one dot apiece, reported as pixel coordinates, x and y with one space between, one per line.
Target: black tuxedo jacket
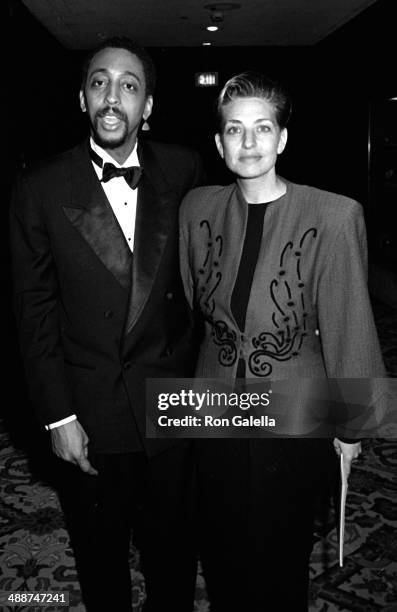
94 320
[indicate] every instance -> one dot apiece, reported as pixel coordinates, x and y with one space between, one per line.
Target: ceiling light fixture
206 44
212 28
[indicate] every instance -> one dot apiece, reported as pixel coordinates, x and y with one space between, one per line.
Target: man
100 308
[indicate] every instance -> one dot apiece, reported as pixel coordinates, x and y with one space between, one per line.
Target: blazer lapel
92 216
153 223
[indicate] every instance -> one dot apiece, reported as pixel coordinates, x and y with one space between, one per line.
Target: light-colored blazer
309 314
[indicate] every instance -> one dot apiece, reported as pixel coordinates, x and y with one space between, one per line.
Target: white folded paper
342 509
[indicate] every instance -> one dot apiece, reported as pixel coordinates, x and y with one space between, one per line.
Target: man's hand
349 452
70 443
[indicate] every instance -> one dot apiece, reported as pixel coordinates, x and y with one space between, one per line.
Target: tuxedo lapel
91 214
153 223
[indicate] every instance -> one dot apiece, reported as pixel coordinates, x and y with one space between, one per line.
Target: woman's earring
145 126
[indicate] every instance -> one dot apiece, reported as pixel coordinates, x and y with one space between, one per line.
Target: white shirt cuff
68 419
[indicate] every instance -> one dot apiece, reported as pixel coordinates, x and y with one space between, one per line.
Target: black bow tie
131 175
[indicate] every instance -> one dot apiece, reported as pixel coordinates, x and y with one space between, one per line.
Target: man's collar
132 159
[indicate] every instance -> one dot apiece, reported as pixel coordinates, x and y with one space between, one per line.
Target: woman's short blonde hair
255 85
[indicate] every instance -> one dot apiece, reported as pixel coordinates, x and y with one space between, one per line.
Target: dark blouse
245 275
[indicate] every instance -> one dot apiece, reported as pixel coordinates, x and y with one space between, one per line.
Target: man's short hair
123 42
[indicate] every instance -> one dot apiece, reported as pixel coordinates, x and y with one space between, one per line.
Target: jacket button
108 314
169 295
127 365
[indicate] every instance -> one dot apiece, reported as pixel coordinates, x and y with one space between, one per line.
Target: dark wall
359 60
44 87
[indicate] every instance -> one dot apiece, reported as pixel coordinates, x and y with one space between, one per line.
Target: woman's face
251 138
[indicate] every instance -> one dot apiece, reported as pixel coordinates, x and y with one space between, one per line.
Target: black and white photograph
200 257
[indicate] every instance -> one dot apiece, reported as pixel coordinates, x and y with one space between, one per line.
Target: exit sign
206 79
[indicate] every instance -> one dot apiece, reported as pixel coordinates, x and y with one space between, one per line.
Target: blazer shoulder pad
202 200
203 196
331 204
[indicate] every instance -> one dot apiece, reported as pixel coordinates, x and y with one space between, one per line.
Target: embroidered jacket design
225 337
209 277
289 315
287 293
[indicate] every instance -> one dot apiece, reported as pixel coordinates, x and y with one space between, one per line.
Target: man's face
115 98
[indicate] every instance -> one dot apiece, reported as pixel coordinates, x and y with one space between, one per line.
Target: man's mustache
112 111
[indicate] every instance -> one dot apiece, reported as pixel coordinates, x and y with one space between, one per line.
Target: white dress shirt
121 197
123 201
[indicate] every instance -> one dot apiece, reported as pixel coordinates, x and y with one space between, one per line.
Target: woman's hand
349 451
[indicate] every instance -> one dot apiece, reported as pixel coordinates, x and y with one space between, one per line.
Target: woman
277 271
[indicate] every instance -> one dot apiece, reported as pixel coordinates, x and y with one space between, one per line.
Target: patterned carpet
35 554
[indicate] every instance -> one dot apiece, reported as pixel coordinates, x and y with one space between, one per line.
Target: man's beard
109 141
